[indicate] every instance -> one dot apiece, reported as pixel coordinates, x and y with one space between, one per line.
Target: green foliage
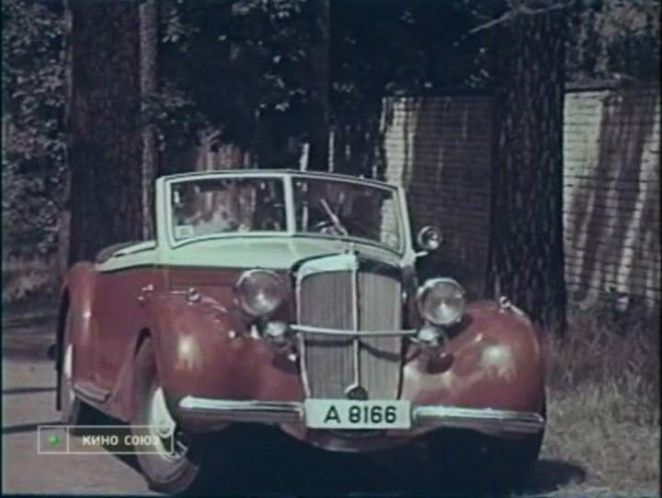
607 39
244 67
616 38
239 61
604 346
390 47
33 141
247 67
244 59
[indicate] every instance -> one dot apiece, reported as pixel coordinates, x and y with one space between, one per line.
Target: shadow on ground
27 343
34 312
258 462
32 427
27 390
549 475
28 328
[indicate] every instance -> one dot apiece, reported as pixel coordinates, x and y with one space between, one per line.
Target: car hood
278 253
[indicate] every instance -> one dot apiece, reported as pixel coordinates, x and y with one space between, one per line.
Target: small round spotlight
429 336
277 335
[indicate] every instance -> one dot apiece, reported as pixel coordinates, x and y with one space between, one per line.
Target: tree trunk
318 158
148 88
104 125
64 226
526 262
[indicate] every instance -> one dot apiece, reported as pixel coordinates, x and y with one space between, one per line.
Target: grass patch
604 401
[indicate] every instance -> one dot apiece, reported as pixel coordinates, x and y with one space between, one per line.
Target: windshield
218 206
330 208
344 209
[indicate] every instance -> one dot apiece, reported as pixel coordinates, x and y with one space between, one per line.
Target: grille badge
356 392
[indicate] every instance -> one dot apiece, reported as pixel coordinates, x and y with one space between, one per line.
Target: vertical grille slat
326 300
380 309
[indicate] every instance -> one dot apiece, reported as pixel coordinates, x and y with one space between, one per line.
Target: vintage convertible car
291 299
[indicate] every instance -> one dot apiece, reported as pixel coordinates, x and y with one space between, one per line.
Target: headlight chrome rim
429 286
244 299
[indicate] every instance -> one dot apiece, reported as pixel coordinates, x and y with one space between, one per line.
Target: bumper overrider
435 416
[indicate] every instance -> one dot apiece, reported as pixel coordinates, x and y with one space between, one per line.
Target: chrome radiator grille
345 299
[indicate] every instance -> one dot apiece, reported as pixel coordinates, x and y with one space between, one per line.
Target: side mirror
430 238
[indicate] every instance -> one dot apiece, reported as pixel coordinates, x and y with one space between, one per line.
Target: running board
91 391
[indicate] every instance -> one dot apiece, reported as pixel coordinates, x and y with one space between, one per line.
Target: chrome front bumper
282 412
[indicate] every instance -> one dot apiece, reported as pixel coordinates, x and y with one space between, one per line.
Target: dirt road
27 397
28 401
28 390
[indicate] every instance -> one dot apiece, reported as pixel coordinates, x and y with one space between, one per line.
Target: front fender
206 350
493 360
77 298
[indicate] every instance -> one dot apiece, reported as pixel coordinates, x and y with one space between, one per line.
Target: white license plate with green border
352 414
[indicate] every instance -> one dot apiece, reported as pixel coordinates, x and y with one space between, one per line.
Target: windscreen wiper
334 218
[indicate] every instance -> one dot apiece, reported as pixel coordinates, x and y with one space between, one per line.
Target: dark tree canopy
239 66
390 47
250 69
287 63
33 142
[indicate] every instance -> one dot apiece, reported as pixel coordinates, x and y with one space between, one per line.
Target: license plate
351 414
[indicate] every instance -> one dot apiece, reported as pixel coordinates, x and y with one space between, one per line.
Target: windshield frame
288 178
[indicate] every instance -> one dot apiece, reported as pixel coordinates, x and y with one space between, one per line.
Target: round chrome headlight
260 292
441 301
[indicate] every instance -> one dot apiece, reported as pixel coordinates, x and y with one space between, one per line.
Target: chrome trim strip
244 411
308 329
90 391
290 214
479 419
356 344
301 339
324 264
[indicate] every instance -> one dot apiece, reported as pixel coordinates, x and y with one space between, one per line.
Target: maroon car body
215 364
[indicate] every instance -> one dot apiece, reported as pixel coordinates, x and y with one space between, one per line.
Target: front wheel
167 469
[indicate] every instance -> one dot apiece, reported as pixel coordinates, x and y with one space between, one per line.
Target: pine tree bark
318 158
64 226
148 88
526 261
105 152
